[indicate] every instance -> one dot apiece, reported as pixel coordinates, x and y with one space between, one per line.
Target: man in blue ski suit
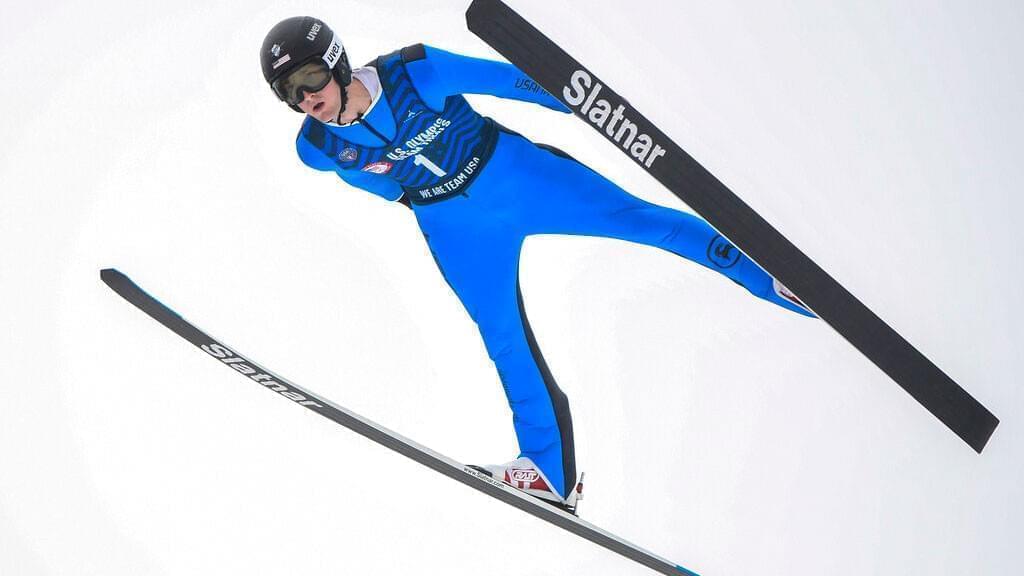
400 128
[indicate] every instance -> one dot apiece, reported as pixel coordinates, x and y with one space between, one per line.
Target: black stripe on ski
547 64
408 448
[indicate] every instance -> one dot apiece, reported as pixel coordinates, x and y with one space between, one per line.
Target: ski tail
481 482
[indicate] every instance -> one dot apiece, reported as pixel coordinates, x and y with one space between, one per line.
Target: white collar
371 80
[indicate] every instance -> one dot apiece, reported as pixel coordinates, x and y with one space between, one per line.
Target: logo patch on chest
348 154
378 167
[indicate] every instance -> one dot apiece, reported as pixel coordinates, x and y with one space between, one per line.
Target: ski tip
110 276
686 572
482 10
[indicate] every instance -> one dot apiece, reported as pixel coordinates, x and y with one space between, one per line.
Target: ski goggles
309 77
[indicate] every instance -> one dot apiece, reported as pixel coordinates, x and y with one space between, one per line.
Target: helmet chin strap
344 103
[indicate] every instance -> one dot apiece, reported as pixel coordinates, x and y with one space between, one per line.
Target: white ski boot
524 475
784 294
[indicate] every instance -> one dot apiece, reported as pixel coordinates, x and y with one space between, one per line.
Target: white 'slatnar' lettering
582 93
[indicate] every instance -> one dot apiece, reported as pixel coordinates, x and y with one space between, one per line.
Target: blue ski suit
478 190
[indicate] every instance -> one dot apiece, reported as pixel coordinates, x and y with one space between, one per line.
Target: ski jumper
478 190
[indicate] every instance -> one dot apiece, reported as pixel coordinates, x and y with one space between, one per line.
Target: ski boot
787 299
522 474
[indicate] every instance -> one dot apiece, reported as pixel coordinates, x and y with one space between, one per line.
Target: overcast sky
883 138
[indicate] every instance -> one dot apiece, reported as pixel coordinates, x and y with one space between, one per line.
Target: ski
467 475
593 101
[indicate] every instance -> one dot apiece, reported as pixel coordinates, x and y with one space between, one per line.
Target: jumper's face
324 104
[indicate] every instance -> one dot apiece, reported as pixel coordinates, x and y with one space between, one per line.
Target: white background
883 138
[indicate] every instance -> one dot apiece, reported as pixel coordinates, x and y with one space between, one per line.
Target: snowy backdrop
885 139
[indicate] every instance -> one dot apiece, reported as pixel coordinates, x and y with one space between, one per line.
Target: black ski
608 113
465 474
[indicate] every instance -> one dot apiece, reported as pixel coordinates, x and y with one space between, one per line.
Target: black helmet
300 40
